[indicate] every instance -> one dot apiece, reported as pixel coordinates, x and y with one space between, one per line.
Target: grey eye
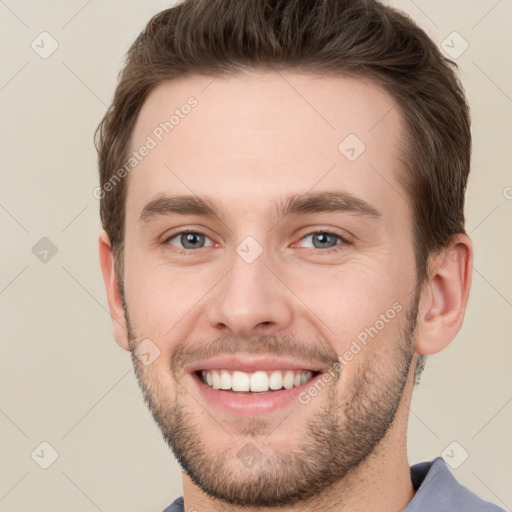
189 240
323 239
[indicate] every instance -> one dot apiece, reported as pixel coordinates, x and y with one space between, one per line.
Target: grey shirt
436 491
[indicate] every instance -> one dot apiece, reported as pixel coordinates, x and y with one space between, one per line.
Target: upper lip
251 364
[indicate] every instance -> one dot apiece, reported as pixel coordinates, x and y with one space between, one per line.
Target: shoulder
175 506
438 490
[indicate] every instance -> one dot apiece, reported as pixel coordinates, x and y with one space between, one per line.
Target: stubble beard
343 433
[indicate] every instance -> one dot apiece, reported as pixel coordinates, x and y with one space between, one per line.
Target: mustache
319 352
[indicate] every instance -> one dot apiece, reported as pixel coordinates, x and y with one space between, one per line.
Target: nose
250 300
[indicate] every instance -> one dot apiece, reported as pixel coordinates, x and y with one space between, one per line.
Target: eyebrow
293 204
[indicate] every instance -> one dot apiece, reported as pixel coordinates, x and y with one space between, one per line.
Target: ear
115 301
444 296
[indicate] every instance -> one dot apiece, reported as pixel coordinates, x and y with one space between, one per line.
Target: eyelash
190 252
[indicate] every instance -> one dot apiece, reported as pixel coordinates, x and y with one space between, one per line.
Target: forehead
252 136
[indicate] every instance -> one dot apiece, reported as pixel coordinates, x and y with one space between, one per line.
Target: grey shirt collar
436 491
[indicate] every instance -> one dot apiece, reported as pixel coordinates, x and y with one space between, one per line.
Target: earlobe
445 296
115 301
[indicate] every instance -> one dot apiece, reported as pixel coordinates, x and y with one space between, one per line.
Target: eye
188 240
326 240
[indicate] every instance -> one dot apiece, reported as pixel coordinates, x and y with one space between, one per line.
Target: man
282 196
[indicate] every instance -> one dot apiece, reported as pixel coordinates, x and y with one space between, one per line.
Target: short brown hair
346 37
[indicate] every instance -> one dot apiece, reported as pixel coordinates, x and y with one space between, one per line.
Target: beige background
63 379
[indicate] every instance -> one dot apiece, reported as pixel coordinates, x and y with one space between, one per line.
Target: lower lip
243 404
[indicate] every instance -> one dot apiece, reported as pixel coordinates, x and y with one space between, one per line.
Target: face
278 298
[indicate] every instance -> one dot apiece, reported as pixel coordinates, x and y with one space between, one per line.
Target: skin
251 140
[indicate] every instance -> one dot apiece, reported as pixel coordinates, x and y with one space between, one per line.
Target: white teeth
215 379
259 381
288 379
225 380
255 382
276 380
240 381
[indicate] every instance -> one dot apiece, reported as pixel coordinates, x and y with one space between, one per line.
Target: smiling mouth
260 381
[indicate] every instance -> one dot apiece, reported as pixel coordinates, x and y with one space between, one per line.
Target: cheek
163 300
353 303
